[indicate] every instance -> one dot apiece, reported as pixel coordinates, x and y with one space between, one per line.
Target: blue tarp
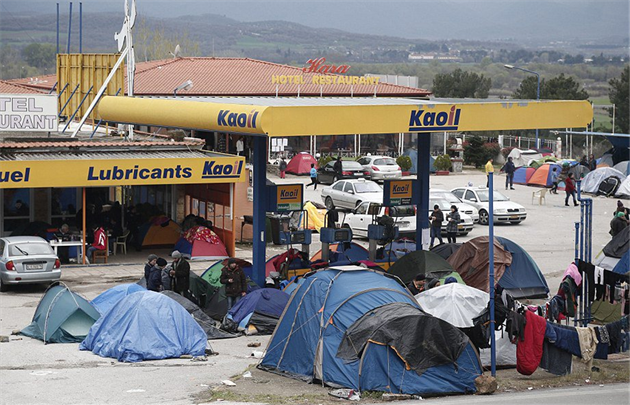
146 326
108 298
623 266
267 301
319 312
522 277
413 155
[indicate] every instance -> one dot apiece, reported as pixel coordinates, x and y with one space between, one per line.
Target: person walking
313 174
283 168
509 170
453 218
618 224
570 190
235 282
489 170
554 180
338 167
436 218
181 273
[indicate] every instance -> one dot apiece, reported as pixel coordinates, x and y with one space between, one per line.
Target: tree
558 88
618 94
41 56
477 152
460 84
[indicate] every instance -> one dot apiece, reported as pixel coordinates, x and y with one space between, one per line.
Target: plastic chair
122 242
540 194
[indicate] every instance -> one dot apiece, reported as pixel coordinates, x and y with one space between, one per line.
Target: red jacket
529 351
569 185
100 239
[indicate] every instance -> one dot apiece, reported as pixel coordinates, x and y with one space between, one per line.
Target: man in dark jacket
436 218
417 285
618 224
338 167
154 282
181 273
235 282
509 170
151 261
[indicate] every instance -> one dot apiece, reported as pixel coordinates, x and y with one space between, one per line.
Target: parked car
463 208
366 212
350 169
351 193
505 211
466 224
27 260
381 167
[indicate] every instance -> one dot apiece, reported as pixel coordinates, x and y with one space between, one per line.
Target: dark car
350 169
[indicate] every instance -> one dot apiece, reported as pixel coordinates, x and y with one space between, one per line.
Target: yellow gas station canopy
281 117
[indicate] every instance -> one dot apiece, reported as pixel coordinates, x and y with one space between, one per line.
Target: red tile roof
93 144
238 77
15 88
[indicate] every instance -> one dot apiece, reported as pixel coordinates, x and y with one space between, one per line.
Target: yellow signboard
289 197
118 172
400 192
302 117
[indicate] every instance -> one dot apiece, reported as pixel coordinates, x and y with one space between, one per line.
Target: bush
404 162
477 152
323 161
506 151
443 163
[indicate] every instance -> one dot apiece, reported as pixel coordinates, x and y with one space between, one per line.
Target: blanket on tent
202 233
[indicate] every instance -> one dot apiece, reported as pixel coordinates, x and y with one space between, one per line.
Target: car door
360 220
326 174
336 193
348 198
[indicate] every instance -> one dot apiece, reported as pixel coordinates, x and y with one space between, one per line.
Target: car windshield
443 204
484 196
351 165
26 249
367 187
445 195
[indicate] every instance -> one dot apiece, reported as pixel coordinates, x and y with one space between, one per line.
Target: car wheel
3 287
515 222
358 203
483 217
329 204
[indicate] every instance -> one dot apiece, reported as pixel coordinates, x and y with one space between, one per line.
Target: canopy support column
422 186
259 213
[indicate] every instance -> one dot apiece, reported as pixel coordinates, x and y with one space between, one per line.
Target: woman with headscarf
453 219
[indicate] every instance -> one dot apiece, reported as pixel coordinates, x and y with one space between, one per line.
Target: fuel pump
330 235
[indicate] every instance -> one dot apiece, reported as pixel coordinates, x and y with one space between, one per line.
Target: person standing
592 163
181 273
436 218
509 170
489 170
570 190
240 146
453 218
151 262
283 168
155 282
313 173
618 223
338 167
235 282
554 180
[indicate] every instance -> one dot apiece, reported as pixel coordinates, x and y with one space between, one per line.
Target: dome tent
300 164
523 174
419 261
591 182
62 316
261 308
336 305
108 298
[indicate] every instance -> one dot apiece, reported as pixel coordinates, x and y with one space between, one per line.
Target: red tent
301 164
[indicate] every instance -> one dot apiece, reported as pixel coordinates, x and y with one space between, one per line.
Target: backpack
609 186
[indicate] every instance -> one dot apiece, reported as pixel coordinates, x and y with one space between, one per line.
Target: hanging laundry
588 344
529 351
555 360
564 337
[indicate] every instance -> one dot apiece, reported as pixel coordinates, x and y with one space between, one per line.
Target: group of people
621 219
591 162
437 217
160 275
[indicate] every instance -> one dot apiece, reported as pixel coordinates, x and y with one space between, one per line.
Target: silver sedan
27 260
381 167
351 193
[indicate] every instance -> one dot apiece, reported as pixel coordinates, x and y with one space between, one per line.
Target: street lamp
187 85
537 88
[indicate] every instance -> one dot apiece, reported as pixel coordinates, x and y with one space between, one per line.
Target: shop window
63 206
16 209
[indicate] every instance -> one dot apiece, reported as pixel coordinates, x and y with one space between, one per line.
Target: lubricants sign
289 197
28 112
116 172
397 192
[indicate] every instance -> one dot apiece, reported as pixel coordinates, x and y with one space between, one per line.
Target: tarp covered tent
623 167
62 316
413 155
623 265
326 305
201 243
618 246
206 323
523 157
159 231
350 252
395 250
547 159
605 262
421 261
260 308
146 326
108 298
300 164
624 189
523 174
605 161
542 175
209 293
471 261
522 277
316 214
446 250
454 303
591 182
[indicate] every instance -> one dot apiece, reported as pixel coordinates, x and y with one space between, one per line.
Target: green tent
213 274
61 317
420 261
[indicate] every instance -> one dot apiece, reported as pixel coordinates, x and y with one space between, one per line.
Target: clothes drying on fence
588 343
555 360
529 351
600 287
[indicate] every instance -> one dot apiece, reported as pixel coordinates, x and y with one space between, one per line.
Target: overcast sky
520 20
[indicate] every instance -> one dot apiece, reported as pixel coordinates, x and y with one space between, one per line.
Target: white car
365 214
351 193
27 260
505 211
381 167
466 224
462 207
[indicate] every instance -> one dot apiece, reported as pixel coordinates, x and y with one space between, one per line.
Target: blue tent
522 278
266 301
325 305
108 298
146 326
623 265
413 155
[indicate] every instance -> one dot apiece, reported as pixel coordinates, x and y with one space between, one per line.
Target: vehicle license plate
38 266
460 226
514 217
357 174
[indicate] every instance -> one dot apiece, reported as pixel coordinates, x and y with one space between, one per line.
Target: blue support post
57 29
259 214
422 185
80 27
69 27
69 98
493 349
77 110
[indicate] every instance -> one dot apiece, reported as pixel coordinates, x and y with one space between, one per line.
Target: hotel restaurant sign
28 112
324 74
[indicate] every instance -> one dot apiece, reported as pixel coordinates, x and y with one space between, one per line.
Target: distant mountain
524 22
